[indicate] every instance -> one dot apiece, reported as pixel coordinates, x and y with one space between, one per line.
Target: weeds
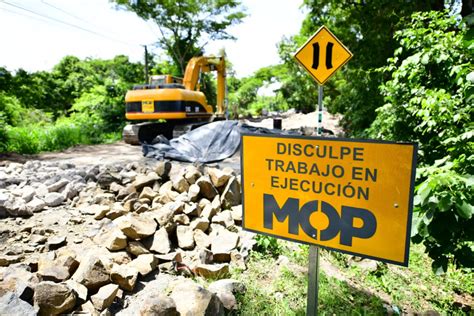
63 134
278 287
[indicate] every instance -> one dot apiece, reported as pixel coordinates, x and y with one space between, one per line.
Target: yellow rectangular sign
148 106
353 196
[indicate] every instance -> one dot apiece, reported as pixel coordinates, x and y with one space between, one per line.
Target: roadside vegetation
276 281
78 102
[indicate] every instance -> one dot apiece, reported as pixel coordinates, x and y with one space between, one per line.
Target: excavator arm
198 65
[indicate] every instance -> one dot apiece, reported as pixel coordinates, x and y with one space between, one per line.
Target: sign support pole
313 269
313 281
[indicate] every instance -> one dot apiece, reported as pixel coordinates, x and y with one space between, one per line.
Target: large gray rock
136 248
92 273
180 184
53 298
6 260
35 205
142 181
185 237
105 296
206 188
54 199
212 271
125 276
231 196
158 305
144 264
19 280
201 239
200 223
193 299
55 187
135 226
16 207
58 270
161 242
27 193
227 285
11 304
193 192
228 300
219 177
80 290
163 168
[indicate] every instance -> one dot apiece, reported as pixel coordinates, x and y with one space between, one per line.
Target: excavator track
136 134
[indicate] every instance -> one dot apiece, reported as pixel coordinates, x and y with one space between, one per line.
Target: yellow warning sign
322 55
353 196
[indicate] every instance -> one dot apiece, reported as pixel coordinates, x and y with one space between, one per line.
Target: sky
34 43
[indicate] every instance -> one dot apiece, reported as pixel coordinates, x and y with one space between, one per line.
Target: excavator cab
164 79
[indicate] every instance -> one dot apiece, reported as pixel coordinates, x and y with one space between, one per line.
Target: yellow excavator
167 101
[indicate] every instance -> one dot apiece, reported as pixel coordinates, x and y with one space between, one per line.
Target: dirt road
121 153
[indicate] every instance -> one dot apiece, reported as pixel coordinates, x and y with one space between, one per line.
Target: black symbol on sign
329 47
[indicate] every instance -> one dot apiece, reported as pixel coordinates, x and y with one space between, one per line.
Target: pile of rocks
35 185
155 226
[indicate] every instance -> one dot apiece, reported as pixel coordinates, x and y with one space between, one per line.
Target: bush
429 100
3 134
268 245
11 109
23 140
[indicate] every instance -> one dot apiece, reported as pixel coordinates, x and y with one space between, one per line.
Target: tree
186 25
367 29
428 99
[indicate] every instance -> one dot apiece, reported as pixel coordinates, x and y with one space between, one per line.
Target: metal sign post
322 55
313 281
313 269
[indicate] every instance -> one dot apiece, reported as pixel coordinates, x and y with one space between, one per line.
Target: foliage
366 28
11 109
298 89
186 25
3 134
412 289
268 245
63 134
429 99
280 288
444 219
79 101
244 93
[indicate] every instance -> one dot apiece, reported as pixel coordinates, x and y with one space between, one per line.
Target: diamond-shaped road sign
322 55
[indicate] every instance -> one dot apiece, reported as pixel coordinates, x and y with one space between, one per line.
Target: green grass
274 289
33 139
417 288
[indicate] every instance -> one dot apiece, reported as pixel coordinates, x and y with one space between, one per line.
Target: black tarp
209 143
